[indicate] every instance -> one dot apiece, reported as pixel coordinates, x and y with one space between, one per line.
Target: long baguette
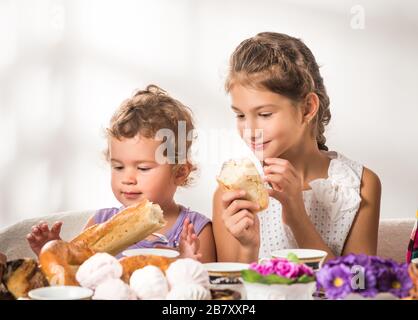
124 229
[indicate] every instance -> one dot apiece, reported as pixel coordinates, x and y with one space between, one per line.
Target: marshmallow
97 269
114 289
187 271
149 283
189 291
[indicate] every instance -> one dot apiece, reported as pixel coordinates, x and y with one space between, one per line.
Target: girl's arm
363 234
207 244
228 245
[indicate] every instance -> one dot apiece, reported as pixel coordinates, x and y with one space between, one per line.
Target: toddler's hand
189 242
41 234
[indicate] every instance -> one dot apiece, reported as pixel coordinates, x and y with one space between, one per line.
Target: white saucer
311 257
302 254
61 293
225 268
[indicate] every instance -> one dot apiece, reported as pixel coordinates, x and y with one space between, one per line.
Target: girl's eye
265 115
143 169
117 168
239 116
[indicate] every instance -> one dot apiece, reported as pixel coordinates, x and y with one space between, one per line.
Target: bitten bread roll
243 175
124 229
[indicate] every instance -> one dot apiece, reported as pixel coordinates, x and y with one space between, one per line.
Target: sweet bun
243 175
60 260
130 264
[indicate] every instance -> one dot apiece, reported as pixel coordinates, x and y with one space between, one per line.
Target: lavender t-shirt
199 222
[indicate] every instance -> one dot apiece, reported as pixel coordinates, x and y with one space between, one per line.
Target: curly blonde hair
284 65
149 111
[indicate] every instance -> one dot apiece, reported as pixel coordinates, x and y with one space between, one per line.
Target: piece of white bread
124 229
243 175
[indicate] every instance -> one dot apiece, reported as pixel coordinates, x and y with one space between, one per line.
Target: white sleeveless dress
331 204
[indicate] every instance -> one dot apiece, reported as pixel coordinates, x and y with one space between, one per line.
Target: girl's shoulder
105 214
344 188
348 170
341 166
199 220
195 217
199 223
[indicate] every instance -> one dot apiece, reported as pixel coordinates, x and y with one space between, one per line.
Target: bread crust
124 229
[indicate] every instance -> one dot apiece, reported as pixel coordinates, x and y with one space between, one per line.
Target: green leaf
275 279
292 257
305 279
253 276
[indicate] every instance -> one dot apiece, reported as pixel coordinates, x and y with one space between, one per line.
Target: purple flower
353 259
365 275
336 280
396 281
378 260
363 281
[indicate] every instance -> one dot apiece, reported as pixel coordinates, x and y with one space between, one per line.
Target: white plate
302 254
61 293
225 267
151 251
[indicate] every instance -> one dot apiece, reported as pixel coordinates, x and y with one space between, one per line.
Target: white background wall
65 66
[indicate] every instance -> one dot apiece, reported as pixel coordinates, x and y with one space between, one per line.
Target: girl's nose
129 177
254 134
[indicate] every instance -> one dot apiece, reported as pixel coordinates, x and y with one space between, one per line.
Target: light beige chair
393 234
394 237
13 238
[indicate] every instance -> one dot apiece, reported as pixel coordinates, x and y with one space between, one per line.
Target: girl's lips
131 195
259 146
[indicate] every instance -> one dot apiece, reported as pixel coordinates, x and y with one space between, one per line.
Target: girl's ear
311 106
181 173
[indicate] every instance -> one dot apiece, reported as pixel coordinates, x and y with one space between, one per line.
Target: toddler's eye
117 168
239 116
265 115
143 169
